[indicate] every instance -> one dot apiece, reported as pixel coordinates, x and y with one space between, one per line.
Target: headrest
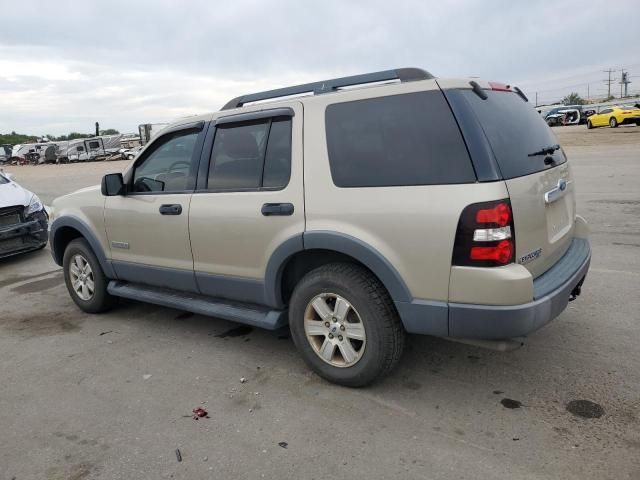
239 143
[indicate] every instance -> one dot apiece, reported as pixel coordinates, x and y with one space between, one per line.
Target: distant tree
14 138
76 135
109 131
609 98
573 99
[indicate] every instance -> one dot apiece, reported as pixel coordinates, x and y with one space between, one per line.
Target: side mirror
112 185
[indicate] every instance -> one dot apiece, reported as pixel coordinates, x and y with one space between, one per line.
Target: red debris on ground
200 413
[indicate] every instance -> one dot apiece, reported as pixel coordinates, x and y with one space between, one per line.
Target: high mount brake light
500 87
485 235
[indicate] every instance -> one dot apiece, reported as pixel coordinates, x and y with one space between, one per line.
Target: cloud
65 65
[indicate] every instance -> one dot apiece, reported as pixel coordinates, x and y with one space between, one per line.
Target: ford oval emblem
562 184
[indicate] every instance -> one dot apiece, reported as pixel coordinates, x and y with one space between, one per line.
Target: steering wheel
179 162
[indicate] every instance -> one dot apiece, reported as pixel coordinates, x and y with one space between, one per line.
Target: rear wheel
85 280
613 123
344 324
589 124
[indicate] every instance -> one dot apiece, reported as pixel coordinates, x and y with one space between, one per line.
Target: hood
13 194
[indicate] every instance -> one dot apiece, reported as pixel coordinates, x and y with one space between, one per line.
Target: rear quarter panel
412 227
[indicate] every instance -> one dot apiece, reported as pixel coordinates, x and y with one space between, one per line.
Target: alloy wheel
82 277
334 330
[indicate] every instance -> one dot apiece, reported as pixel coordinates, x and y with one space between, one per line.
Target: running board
253 315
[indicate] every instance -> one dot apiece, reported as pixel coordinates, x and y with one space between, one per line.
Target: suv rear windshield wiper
545 150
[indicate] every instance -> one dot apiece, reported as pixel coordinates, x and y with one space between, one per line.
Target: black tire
638 123
613 123
385 335
100 301
589 124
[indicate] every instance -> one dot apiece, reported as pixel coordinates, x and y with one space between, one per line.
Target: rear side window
251 155
409 139
514 130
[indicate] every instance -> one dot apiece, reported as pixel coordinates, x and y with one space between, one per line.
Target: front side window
251 155
169 166
409 139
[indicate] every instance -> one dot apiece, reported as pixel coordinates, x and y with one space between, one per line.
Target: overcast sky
65 65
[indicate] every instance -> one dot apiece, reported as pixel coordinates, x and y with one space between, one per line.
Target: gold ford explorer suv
354 209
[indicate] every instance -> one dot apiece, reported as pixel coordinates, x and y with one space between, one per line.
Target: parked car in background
614 116
130 153
23 219
5 153
431 206
565 115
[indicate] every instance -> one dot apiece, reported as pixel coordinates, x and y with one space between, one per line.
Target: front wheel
85 280
345 325
613 123
589 124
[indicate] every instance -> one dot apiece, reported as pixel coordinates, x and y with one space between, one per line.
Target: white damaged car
24 222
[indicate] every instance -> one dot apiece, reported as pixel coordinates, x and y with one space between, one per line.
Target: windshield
514 130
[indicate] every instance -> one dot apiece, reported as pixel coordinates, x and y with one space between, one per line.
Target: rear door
249 201
540 185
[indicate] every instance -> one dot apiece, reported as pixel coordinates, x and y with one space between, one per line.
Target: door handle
271 209
171 209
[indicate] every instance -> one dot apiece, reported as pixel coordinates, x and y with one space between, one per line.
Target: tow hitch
576 291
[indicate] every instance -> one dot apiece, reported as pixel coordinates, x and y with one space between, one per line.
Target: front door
148 227
251 203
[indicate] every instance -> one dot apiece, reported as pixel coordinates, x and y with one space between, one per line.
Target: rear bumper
24 237
551 292
551 295
630 120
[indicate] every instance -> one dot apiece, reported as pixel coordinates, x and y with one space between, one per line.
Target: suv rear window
514 130
409 139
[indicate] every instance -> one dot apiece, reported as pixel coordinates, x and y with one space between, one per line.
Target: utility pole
609 81
624 81
588 97
536 99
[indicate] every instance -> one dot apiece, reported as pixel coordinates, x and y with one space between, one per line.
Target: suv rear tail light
485 235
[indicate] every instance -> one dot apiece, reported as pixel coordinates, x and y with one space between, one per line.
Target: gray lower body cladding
460 320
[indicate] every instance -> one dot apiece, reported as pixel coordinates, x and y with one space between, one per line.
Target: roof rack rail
317 88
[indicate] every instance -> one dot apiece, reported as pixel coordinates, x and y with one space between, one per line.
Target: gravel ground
111 396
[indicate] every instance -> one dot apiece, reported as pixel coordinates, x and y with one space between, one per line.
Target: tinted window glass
277 163
237 156
169 165
409 139
3 180
514 130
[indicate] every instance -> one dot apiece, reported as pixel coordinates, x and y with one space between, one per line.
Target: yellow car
614 116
